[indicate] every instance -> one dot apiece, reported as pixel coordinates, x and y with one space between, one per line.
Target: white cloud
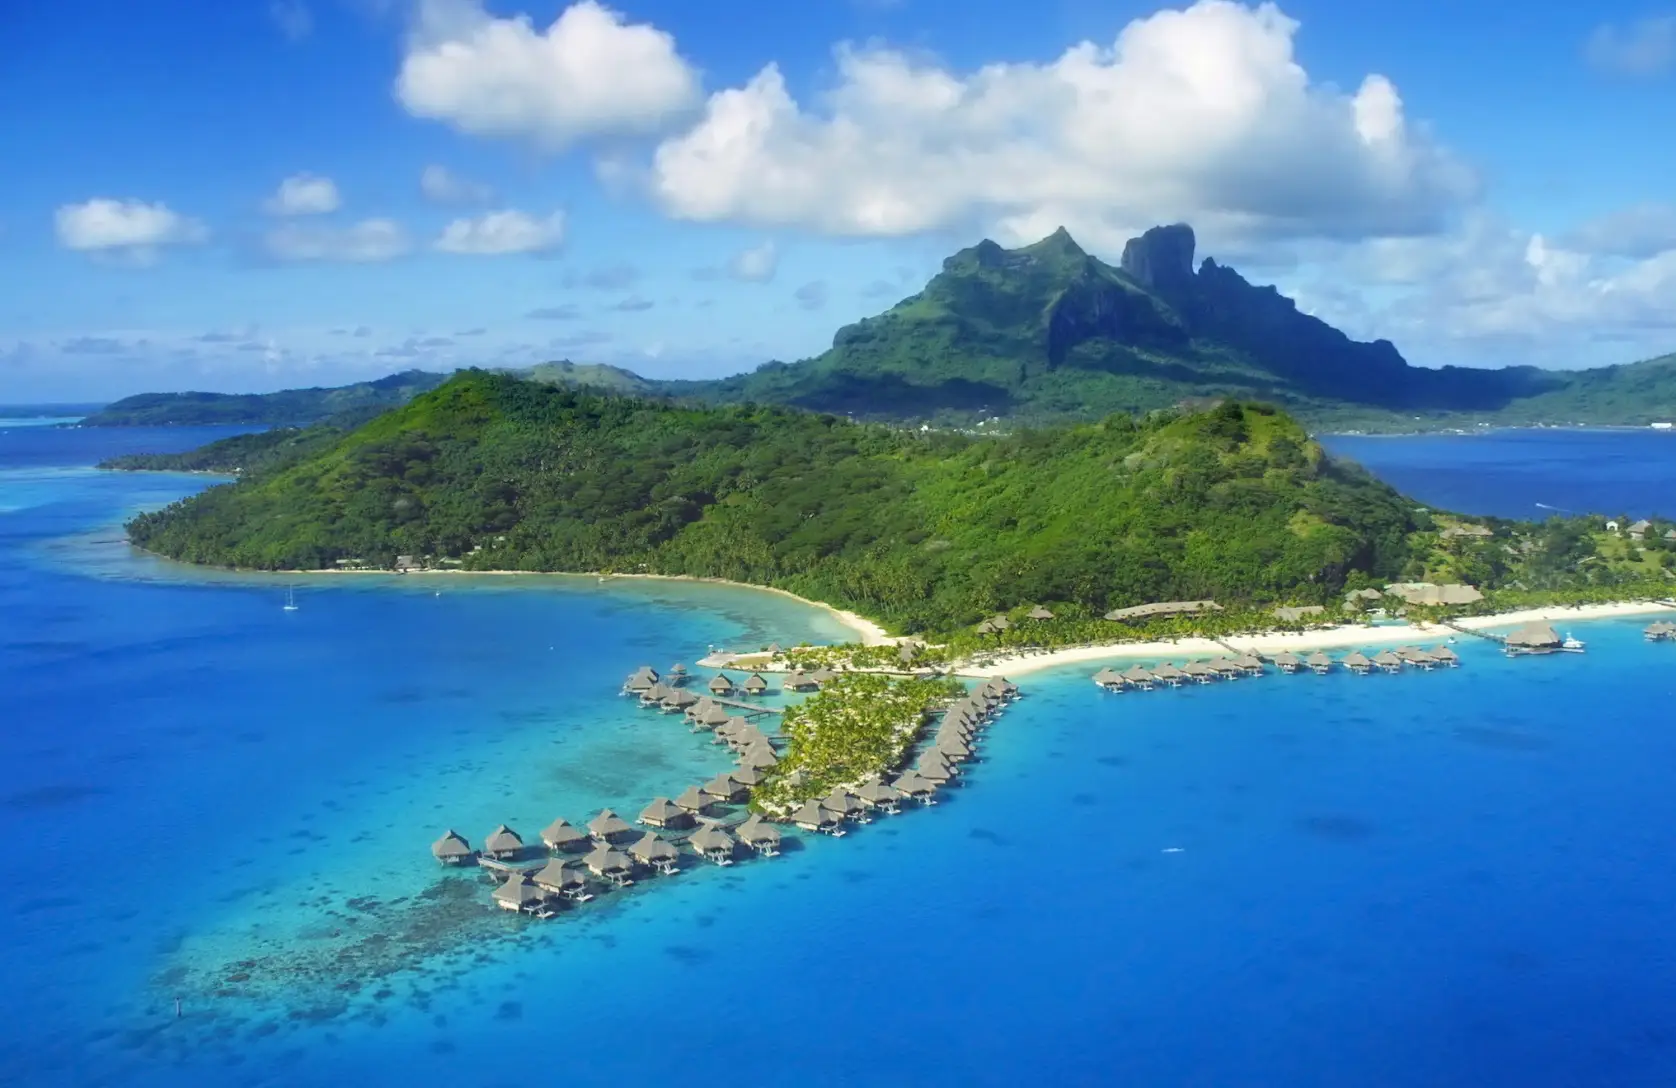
588 74
105 225
442 186
503 232
293 18
1202 114
1641 231
368 241
755 265
304 194
1645 48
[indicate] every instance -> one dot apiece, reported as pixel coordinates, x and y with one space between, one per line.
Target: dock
1502 639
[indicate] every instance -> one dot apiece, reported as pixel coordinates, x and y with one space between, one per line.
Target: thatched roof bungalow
559 835
662 813
760 835
713 844
519 893
503 842
655 853
452 849
609 827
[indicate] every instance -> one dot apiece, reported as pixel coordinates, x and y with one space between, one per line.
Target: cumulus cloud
441 185
589 74
1644 48
304 194
366 242
812 295
104 224
1638 232
1202 114
756 264
501 233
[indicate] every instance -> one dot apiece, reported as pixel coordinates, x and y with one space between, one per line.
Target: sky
245 195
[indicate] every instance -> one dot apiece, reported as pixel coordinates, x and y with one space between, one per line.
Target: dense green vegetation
289 407
923 530
858 725
244 453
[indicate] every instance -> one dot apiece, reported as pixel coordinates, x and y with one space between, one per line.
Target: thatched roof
746 775
757 830
559 876
914 784
876 792
1162 608
502 840
711 839
720 684
694 799
755 683
1137 675
814 814
604 859
560 834
760 755
649 848
1287 660
451 845
713 717
1292 614
1535 635
1318 659
608 825
724 785
842 801
519 892
1039 613
660 811
679 699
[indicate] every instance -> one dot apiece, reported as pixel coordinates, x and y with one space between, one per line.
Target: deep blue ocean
1444 879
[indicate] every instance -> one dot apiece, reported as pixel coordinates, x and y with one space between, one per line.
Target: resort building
798 680
845 804
1298 613
1534 638
1161 610
452 849
640 679
814 816
661 813
1287 662
1426 593
1139 677
754 685
1446 657
609 827
655 853
1662 631
1039 613
882 797
611 864
558 878
713 844
1320 663
917 787
746 776
760 835
725 788
759 757
1358 663
503 842
721 685
694 800
1110 679
519 893
559 835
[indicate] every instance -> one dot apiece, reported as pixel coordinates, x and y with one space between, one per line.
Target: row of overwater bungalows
1145 678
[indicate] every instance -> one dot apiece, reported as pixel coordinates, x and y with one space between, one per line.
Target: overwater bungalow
452 849
822 675
656 694
1446 657
703 704
937 772
814 816
608 827
656 854
1198 672
1039 613
916 786
1251 664
677 674
1110 679
746 776
1226 668
662 813
609 863
695 800
1533 638
1416 657
520 894
677 701
1139 677
640 679
1319 663
760 835
721 685
726 788
503 842
759 756
711 718
559 835
1386 661
1170 675
882 797
1661 631
561 879
1287 662
713 844
747 737
952 747
846 805
1358 663
754 685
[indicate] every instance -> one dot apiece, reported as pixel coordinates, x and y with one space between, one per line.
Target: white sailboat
290 598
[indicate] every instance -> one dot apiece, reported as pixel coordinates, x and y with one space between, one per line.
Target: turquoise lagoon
1456 878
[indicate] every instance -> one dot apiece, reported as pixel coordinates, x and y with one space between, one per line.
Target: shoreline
869 633
1343 636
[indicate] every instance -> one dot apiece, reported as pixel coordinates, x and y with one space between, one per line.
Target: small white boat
1571 643
290 599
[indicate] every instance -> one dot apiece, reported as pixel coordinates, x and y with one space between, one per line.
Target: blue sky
231 195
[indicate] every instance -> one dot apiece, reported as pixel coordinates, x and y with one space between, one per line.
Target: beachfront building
846 804
563 880
608 827
1358 599
662 813
1110 679
760 756
1426 593
720 685
713 844
1250 664
520 894
609 863
1298 613
1418 658
656 853
798 680
760 835
452 849
503 842
814 816
754 685
952 748
559 835
1039 613
746 776
1161 610
1638 530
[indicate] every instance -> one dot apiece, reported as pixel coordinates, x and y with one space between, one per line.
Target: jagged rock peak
1162 258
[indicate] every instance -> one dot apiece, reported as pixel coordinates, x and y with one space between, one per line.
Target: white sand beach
1344 636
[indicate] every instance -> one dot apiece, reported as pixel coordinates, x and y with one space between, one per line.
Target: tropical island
1047 333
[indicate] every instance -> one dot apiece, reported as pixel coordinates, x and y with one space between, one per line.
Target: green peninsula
286 408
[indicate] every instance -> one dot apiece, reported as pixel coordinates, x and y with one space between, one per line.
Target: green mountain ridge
923 530
287 407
